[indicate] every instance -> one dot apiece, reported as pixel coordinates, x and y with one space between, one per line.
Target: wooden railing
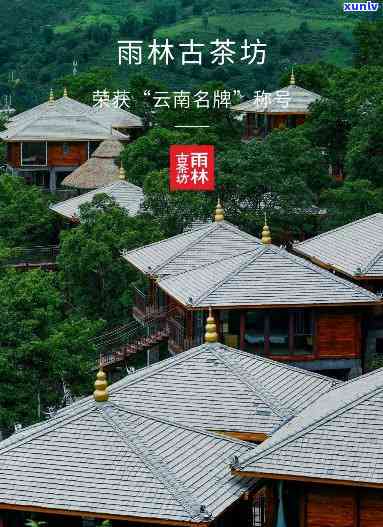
117 344
178 340
141 303
176 331
37 256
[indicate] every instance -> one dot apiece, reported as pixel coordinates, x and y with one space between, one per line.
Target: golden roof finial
211 329
292 78
51 97
266 235
219 212
122 172
65 94
100 393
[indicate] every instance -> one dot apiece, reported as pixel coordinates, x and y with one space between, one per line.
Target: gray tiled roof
266 276
355 249
299 102
67 119
191 249
55 126
126 195
64 105
110 459
338 437
218 388
116 117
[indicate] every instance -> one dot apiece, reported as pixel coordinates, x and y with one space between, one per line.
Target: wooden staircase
118 344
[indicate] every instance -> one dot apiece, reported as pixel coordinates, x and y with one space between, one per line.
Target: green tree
369 43
25 218
364 153
92 273
313 77
283 174
82 86
351 201
41 347
151 151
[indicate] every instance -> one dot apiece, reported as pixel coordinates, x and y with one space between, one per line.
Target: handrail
35 254
128 333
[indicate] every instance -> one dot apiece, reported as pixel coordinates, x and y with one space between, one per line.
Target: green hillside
38 42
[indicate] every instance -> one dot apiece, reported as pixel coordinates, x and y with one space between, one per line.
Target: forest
48 320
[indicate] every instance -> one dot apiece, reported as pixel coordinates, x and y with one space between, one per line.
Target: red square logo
192 167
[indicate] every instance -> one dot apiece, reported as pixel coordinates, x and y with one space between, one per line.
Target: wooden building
287 107
48 142
354 251
265 300
125 194
154 448
324 467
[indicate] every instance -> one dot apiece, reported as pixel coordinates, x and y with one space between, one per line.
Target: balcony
33 257
178 341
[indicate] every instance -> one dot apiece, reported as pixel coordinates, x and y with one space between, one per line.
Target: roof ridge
373 260
32 120
312 426
43 427
162 472
286 366
231 273
159 366
234 228
126 381
351 381
322 234
210 227
127 253
316 268
258 388
178 424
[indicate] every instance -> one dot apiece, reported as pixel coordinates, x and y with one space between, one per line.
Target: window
34 154
279 324
279 332
198 327
303 331
255 330
66 149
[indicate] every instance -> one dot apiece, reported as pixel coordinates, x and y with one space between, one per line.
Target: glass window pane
34 154
303 332
232 324
255 331
279 332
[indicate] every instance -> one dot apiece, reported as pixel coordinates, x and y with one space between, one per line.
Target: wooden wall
14 154
338 336
77 154
327 506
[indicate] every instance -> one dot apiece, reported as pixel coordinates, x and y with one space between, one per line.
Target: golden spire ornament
292 78
65 94
51 97
100 393
266 235
122 172
219 212
211 329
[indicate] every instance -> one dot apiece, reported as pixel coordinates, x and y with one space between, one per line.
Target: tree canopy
93 276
